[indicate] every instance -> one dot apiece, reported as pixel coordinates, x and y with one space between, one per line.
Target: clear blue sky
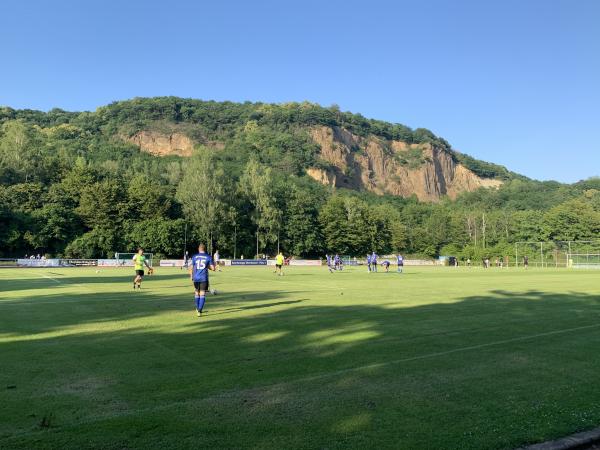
515 82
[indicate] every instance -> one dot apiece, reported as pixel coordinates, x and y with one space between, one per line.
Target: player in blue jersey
337 262
201 263
374 262
329 263
386 265
369 262
400 262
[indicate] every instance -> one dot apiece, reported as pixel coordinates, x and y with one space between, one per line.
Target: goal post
348 260
584 254
531 251
584 260
541 254
126 259
572 254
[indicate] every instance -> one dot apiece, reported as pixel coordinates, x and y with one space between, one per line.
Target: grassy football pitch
435 358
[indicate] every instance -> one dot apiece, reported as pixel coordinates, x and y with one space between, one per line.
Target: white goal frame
584 260
569 254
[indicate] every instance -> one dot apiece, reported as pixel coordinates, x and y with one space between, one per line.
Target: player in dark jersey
329 263
186 260
386 265
369 262
400 262
201 263
374 262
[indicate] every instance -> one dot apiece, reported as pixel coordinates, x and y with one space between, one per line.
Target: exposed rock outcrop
162 144
391 167
169 139
321 175
355 162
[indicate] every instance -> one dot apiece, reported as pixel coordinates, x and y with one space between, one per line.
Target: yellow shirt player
139 261
279 260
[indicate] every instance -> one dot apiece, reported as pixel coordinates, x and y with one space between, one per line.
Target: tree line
70 185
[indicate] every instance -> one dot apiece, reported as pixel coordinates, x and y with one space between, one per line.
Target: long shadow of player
245 308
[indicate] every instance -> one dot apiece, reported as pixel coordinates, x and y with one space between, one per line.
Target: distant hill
163 173
335 148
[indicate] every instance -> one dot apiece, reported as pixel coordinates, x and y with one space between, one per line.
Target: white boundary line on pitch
50 278
111 298
460 349
228 393
426 356
82 286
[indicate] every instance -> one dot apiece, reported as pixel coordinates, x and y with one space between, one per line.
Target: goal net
349 260
533 254
542 254
584 260
126 259
583 254
574 254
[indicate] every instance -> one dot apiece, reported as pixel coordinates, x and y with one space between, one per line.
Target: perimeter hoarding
248 262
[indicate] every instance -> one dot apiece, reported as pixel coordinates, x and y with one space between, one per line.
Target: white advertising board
38 262
305 262
171 263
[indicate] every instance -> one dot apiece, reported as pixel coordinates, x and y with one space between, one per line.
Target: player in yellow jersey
279 260
139 261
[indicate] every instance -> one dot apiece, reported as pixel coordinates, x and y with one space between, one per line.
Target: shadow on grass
51 312
42 282
269 371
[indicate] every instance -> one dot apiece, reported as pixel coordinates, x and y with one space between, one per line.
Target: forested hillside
318 179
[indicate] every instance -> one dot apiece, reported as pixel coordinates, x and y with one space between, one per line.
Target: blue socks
199 302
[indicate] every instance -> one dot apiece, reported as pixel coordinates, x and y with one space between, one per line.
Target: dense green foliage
484 169
70 184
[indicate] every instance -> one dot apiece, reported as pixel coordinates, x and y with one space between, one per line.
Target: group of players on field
202 262
337 263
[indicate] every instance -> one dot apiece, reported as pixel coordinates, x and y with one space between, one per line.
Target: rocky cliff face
365 163
391 167
162 144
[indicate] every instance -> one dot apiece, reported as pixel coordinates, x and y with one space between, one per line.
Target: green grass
434 358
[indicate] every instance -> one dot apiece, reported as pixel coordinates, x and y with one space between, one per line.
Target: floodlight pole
542 253
234 240
516 255
256 244
185 240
